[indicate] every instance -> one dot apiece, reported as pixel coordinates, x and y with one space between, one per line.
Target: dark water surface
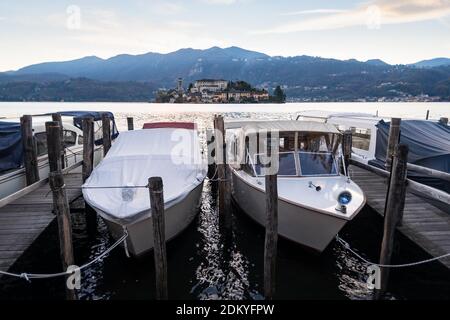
205 264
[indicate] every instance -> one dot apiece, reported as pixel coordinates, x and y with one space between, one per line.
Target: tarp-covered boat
165 150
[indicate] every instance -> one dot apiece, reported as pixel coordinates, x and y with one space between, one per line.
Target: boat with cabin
315 200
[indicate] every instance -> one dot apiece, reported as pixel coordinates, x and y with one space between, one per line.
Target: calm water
202 263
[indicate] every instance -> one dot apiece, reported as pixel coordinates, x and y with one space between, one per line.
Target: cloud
219 2
372 14
166 8
185 24
314 11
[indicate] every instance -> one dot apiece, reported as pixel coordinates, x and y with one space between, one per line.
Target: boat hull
140 233
309 228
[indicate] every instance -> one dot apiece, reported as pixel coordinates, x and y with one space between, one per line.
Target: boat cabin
305 148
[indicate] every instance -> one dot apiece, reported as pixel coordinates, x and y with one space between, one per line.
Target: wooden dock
423 223
27 213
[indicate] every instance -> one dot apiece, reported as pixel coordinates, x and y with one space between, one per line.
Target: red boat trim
175 125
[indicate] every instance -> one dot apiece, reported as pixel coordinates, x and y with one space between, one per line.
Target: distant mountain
436 62
376 62
304 78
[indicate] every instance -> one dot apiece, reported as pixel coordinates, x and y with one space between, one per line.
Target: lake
204 265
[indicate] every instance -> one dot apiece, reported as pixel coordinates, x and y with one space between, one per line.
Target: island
219 91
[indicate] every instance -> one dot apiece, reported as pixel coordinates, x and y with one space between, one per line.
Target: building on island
213 91
209 85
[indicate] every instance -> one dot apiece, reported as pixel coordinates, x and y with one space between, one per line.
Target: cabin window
286 165
317 163
41 143
69 138
360 138
80 139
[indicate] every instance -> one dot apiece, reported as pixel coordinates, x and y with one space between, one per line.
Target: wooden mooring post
224 179
106 127
88 166
88 147
271 237
159 236
57 117
393 140
443 120
29 150
395 202
130 123
210 144
61 204
347 149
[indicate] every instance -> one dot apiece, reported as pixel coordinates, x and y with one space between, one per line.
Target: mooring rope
29 276
367 262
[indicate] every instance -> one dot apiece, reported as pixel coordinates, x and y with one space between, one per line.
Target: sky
396 31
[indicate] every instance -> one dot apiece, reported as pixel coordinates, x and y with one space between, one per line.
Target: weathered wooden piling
53 145
443 120
210 143
428 115
106 127
271 237
393 140
64 224
29 150
224 192
57 118
159 236
347 148
61 204
130 122
88 166
88 147
395 202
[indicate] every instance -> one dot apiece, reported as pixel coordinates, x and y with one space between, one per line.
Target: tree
278 95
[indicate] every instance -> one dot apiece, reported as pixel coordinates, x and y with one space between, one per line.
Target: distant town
219 91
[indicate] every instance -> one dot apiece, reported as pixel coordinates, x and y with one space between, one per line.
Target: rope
367 262
29 276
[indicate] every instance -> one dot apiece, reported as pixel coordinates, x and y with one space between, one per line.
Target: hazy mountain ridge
304 77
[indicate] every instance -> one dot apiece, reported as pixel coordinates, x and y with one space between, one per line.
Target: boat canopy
289 125
170 153
96 115
11 151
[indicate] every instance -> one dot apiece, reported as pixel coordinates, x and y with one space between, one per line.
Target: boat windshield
301 164
286 167
317 163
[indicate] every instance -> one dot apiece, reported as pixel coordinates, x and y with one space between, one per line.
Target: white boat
314 200
12 175
167 150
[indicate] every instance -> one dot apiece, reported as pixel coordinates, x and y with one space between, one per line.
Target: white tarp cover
172 154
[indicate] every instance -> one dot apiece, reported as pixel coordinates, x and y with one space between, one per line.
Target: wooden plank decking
423 223
24 219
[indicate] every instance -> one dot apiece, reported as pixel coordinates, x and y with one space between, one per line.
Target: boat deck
423 223
23 219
